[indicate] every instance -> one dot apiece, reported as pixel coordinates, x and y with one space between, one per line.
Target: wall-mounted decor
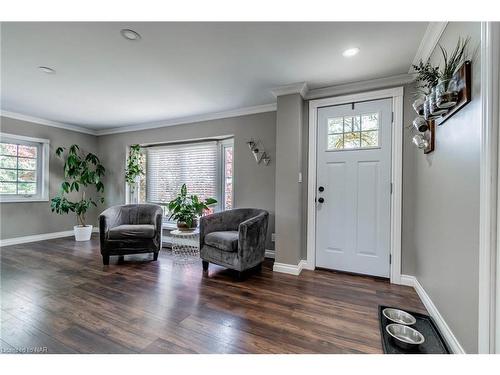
258 151
440 93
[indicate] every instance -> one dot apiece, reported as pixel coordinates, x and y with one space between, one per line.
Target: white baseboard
292 269
446 331
270 254
39 237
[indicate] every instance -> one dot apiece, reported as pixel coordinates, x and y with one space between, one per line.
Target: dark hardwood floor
57 297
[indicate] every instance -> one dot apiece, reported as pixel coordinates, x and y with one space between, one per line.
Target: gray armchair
234 239
130 229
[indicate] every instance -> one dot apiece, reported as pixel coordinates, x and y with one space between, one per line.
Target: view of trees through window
228 177
351 132
18 169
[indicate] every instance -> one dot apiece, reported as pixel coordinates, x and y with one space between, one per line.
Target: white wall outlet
300 176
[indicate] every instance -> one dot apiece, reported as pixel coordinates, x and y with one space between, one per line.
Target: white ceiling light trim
372 84
192 119
130 34
46 69
41 121
429 42
294 88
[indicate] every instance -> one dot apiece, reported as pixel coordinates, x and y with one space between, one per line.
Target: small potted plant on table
186 209
80 172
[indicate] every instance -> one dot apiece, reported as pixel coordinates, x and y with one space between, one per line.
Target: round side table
186 245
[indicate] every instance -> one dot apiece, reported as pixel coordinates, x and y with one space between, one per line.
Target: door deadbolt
321 200
321 188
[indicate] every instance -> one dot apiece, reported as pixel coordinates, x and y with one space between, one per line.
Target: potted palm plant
186 209
81 171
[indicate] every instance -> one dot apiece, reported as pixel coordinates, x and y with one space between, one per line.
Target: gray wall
289 227
29 218
443 250
253 184
408 252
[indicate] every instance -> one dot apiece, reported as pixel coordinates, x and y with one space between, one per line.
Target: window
206 168
23 168
227 173
353 132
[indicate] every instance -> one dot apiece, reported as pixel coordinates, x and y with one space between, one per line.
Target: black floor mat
433 344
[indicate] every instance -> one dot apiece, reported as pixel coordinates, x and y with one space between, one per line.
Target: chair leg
155 256
205 265
105 260
258 267
240 275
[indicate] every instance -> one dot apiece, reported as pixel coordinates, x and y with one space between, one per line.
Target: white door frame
489 209
396 94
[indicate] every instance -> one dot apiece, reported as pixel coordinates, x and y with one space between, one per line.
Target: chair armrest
252 234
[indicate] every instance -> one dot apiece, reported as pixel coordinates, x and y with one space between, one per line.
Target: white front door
353 205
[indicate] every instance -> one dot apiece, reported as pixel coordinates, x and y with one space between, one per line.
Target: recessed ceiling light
350 52
130 34
46 69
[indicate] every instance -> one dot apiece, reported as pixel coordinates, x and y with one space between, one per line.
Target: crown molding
191 119
41 121
294 88
348 88
159 124
429 42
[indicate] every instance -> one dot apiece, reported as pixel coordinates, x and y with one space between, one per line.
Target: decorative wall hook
259 154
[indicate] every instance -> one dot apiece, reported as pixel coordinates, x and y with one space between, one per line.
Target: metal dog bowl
399 316
404 336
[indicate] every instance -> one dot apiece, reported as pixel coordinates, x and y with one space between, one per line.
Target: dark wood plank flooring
57 297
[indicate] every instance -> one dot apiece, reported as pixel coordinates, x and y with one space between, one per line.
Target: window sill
21 200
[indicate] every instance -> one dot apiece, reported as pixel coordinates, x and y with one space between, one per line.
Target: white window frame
42 169
223 144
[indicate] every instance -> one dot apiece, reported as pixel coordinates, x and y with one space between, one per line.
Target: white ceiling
185 69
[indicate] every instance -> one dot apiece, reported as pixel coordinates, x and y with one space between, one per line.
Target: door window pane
336 142
335 125
369 139
352 132
369 121
351 140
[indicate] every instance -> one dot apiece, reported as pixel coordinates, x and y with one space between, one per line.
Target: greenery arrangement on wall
453 61
134 166
81 171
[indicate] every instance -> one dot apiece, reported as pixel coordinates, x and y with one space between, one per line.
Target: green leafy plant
80 172
453 61
427 77
187 208
134 166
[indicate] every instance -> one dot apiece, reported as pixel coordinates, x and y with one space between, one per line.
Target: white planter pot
82 233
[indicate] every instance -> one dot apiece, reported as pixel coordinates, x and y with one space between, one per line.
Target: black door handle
321 188
321 200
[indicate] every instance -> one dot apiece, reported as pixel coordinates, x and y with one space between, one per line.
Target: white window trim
223 144
42 178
